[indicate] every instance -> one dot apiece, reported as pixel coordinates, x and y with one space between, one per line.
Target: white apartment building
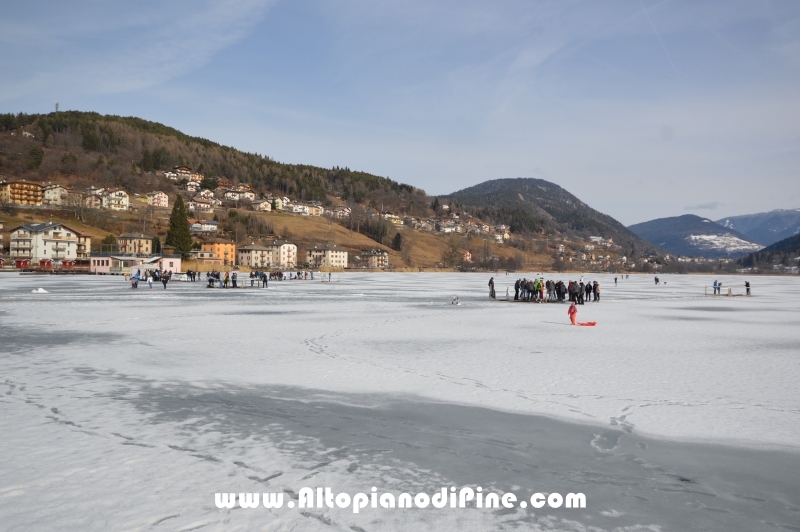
158 199
284 254
51 241
327 256
54 194
117 199
255 256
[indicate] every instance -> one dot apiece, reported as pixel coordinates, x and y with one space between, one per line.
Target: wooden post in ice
730 291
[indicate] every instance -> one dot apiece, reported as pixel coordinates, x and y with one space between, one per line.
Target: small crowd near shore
257 278
149 277
538 290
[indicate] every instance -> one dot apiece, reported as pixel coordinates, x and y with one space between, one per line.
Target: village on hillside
106 230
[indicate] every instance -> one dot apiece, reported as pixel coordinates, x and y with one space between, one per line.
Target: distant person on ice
747 287
491 288
572 311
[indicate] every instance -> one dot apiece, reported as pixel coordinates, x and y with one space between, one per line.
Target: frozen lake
128 409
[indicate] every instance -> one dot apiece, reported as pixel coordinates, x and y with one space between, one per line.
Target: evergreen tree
397 242
109 243
156 245
35 157
179 236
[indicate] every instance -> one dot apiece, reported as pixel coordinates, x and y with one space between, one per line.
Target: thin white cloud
710 206
99 51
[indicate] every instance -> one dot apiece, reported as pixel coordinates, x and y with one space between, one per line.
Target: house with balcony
54 242
262 206
117 199
182 172
21 192
255 256
341 211
203 226
54 194
327 256
200 205
275 202
205 257
284 254
375 258
93 201
135 244
158 199
223 249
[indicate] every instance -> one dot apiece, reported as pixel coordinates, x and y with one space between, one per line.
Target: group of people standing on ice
541 291
149 276
258 278
217 279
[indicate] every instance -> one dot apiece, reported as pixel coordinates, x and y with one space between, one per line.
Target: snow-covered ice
129 409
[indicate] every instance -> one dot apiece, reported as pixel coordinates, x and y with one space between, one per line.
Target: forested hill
536 205
784 253
121 151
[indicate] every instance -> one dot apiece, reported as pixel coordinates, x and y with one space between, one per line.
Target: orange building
22 192
223 249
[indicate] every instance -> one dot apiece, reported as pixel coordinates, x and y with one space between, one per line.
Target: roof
327 247
136 235
253 247
280 243
21 181
41 227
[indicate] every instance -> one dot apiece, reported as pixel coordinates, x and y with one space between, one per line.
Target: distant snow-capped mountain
765 227
693 236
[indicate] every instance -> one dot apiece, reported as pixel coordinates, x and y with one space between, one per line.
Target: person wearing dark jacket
516 291
491 288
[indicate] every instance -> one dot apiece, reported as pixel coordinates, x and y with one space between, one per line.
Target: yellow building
25 193
135 244
21 192
222 249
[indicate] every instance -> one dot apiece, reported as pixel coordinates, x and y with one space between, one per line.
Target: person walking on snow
572 311
491 288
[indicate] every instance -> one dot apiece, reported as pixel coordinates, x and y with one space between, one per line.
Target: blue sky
642 109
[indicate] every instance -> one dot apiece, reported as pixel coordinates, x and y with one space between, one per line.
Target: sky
641 108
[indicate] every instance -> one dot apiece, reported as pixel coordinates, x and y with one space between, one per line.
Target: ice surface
128 409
